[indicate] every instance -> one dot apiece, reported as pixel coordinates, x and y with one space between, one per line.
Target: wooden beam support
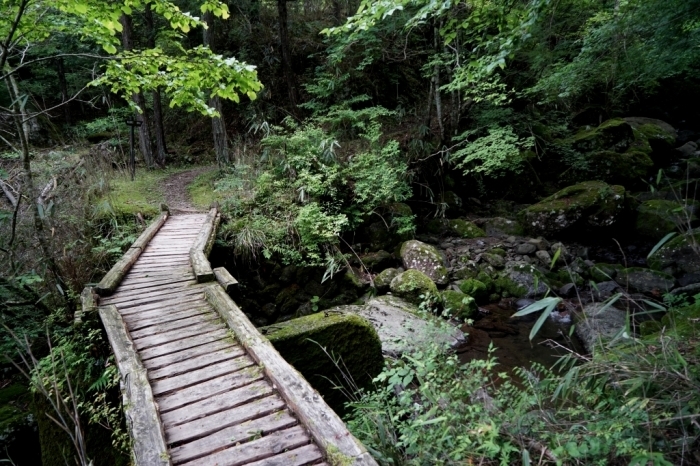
111 281
225 279
149 446
324 425
202 247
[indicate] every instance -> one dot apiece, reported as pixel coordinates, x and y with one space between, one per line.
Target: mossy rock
614 134
462 306
681 253
500 226
344 335
411 284
476 289
659 135
465 273
594 202
522 281
499 251
656 218
465 229
376 261
486 279
508 288
426 258
384 278
625 167
645 280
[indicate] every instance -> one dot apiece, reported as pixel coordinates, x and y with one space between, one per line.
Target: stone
529 282
681 252
464 229
689 279
476 289
568 290
411 284
646 281
376 261
656 218
525 249
425 258
602 272
688 149
384 278
344 334
598 325
499 226
401 328
462 306
544 258
540 243
592 202
495 260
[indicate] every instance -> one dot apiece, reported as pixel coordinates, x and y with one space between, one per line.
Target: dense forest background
339 129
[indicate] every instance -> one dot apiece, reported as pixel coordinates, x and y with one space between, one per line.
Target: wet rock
529 282
461 305
464 229
656 218
384 278
425 258
680 253
525 249
645 280
688 149
411 284
593 202
495 260
604 290
596 326
499 226
568 290
544 258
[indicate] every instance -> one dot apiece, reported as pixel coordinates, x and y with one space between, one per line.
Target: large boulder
401 328
425 258
680 255
412 284
656 218
307 343
499 226
594 203
645 281
384 278
598 325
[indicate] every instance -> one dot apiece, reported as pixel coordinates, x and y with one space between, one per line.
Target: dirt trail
175 189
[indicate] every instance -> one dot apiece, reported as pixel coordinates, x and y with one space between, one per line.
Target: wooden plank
200 328
134 297
170 325
150 232
308 454
209 388
201 266
232 435
181 345
217 403
323 423
149 447
215 422
144 288
225 279
151 271
196 376
133 278
224 343
198 362
256 450
160 297
164 305
151 282
110 281
138 321
163 260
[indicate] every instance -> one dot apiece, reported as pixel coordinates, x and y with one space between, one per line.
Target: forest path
175 189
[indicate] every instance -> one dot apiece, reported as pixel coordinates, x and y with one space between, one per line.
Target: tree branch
6 45
52 57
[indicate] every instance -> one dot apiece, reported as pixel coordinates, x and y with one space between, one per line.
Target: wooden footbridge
200 384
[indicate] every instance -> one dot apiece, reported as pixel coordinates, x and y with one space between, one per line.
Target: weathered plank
232 435
256 450
196 376
198 362
162 298
209 388
215 422
131 291
149 447
323 423
139 321
165 361
135 279
308 454
165 304
170 325
201 266
225 279
154 282
171 336
217 403
202 246
180 345
150 232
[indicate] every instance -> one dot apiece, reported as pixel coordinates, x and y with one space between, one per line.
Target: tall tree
218 126
158 128
137 97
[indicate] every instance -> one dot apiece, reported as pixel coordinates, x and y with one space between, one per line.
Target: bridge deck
215 403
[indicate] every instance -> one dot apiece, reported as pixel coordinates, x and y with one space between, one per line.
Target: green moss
384 278
501 252
344 335
657 217
461 305
486 279
620 167
654 133
508 288
476 289
465 229
465 273
411 284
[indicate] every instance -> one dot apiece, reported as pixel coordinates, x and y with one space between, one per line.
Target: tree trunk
218 126
60 70
285 54
144 131
158 129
